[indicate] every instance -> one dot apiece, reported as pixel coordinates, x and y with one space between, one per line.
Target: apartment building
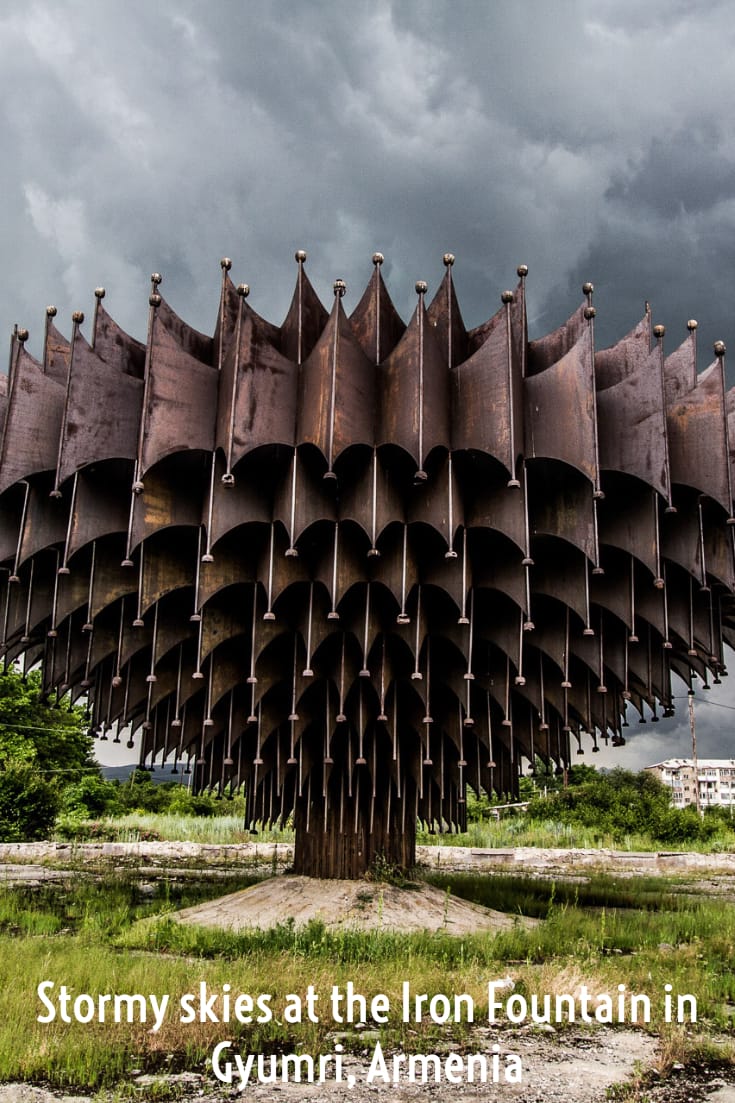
715 777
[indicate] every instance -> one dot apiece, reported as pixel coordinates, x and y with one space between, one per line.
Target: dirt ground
575 1068
363 905
569 1067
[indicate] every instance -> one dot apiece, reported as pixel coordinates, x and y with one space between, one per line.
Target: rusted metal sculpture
357 566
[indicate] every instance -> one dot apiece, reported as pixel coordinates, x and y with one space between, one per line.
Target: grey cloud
671 738
686 173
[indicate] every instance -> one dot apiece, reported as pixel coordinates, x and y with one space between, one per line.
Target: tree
620 803
42 746
50 736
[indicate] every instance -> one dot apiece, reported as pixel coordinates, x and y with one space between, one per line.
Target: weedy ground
87 933
511 831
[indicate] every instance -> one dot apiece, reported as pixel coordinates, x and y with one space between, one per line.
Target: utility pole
693 730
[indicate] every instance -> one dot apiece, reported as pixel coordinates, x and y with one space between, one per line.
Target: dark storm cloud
159 137
667 235
714 717
587 141
687 174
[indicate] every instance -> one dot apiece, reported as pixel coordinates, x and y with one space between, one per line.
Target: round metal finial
99 292
154 300
51 311
78 317
378 259
448 260
522 270
339 288
421 287
587 288
720 349
589 312
692 324
243 290
225 264
506 297
658 332
156 278
22 335
300 255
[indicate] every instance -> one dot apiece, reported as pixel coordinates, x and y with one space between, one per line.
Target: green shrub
28 804
622 803
90 796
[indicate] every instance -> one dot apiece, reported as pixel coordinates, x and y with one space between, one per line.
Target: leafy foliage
90 796
621 803
28 804
41 747
140 793
50 736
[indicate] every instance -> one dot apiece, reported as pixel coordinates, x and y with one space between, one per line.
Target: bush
679 825
75 830
141 794
89 797
28 804
621 803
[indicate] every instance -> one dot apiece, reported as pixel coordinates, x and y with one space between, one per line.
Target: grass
144 826
518 830
511 831
99 909
536 897
117 935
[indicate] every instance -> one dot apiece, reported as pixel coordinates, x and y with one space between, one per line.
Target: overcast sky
588 141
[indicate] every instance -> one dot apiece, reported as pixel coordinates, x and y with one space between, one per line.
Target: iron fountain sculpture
356 566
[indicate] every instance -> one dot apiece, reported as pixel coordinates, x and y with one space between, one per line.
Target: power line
705 701
33 727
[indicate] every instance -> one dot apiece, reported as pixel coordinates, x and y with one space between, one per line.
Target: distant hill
122 773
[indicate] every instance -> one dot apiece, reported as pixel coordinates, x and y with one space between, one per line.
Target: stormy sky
588 141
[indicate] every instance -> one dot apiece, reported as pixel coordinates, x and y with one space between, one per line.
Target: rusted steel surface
180 396
336 408
32 421
354 565
116 395
697 429
414 388
258 391
487 388
626 357
632 426
567 388
375 322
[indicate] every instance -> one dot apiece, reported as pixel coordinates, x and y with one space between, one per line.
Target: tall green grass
518 830
513 831
145 826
